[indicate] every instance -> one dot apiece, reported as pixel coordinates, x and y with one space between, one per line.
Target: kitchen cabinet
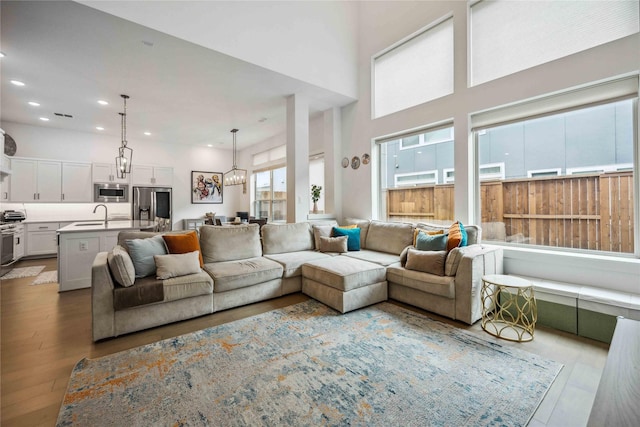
106 172
76 182
35 180
19 242
5 177
42 238
151 175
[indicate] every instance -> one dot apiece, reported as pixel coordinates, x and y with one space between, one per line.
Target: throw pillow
426 261
174 265
142 252
333 244
121 266
350 226
436 242
457 236
429 232
319 231
183 243
353 234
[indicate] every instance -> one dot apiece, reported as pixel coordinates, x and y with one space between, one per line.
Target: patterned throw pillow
427 242
183 243
457 236
353 234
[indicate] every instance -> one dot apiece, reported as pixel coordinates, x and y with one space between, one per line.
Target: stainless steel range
12 239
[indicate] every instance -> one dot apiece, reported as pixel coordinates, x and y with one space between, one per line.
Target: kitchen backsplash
68 211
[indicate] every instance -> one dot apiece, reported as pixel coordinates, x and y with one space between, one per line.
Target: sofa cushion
230 243
474 233
426 261
334 244
188 286
142 252
425 282
352 234
292 261
175 265
431 242
321 231
229 275
281 238
363 225
457 236
381 258
417 231
343 273
389 237
121 266
183 243
145 291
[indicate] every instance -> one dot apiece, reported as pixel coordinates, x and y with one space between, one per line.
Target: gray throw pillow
333 244
174 265
426 261
427 242
320 231
121 266
142 252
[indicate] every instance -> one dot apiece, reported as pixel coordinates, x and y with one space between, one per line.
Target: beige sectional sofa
243 264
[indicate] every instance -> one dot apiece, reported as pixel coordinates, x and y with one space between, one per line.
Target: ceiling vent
64 115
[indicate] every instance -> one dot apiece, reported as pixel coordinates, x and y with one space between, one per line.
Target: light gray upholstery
363 225
381 258
389 237
229 275
229 243
282 238
191 285
343 273
292 261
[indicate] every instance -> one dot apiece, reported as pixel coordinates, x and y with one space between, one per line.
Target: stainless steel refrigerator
153 205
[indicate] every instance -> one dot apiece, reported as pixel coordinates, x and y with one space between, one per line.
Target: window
510 36
270 197
416 70
409 176
277 153
590 206
316 177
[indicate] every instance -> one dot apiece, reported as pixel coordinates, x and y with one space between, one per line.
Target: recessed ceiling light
17 82
99 128
33 104
209 145
44 119
262 120
148 133
102 102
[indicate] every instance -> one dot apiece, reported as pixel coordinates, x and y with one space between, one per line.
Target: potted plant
315 196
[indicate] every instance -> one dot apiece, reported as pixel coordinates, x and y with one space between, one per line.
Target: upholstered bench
344 283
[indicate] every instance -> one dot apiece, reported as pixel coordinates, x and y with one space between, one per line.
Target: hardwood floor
45 333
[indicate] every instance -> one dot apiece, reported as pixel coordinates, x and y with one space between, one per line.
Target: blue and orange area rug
306 364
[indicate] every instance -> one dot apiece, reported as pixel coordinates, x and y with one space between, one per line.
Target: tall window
413 171
567 180
316 176
415 70
270 198
509 36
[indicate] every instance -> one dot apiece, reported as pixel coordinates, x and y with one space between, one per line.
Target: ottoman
344 283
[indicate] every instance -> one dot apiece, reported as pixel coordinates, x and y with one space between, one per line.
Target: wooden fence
574 211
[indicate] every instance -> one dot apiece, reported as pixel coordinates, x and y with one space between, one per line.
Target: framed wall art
206 187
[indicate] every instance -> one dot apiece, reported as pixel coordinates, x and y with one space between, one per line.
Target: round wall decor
355 162
366 159
9 145
345 162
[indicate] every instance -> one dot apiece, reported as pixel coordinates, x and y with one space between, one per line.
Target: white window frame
418 181
544 172
492 175
600 169
422 142
448 175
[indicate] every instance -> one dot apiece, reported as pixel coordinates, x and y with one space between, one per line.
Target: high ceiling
70 56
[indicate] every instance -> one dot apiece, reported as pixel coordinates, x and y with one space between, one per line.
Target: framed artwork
206 187
355 162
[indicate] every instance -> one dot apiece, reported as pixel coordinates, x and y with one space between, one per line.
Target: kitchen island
80 242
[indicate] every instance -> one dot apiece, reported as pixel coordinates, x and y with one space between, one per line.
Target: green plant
315 192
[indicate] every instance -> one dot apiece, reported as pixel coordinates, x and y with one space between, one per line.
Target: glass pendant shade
125 154
236 176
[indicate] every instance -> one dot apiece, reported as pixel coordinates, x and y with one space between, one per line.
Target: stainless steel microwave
110 193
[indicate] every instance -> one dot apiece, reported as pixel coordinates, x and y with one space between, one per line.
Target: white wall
383 24
48 143
282 36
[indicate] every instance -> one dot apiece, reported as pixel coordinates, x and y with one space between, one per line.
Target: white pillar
297 158
332 146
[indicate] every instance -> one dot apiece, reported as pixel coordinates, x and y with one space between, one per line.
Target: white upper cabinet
36 181
5 177
76 182
151 175
106 172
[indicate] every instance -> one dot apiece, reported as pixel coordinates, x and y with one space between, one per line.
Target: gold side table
508 307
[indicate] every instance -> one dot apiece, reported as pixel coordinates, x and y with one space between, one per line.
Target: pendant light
125 154
236 176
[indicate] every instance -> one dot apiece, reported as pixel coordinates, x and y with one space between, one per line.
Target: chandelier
125 154
236 176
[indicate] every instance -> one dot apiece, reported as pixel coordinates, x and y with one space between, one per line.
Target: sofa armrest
102 311
476 261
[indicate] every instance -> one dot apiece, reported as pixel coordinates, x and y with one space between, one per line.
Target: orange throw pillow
183 243
457 236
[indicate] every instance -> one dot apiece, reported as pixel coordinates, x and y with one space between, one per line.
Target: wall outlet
84 245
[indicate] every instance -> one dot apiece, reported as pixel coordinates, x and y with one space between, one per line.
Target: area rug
306 364
20 272
46 277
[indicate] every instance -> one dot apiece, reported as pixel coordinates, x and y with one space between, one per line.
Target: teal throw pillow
435 242
142 252
353 237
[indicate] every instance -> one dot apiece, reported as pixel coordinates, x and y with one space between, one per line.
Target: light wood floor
45 333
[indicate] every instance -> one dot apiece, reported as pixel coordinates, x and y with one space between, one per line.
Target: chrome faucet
105 211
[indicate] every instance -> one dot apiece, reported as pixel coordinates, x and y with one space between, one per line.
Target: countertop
91 226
